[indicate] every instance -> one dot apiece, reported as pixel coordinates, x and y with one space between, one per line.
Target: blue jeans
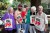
17 27
27 28
24 26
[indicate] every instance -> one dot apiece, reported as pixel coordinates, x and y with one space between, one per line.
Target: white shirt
43 20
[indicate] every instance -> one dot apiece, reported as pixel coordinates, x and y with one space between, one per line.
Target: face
11 10
19 8
27 8
24 9
40 9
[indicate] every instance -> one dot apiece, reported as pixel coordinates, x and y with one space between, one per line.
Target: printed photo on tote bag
32 19
37 21
8 23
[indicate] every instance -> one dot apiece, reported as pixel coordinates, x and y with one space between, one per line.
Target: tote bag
8 22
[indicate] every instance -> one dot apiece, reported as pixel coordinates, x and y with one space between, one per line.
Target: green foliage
4 4
48 22
16 2
44 5
2 12
23 1
46 8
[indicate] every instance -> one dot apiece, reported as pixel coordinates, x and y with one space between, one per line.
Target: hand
20 22
45 29
24 17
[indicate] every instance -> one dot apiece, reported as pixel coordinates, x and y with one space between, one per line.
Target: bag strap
9 15
44 18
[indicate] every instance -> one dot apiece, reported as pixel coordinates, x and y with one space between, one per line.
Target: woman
32 19
9 15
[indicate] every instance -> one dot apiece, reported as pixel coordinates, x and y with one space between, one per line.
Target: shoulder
44 14
16 11
6 14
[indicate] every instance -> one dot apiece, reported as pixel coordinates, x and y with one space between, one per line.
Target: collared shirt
42 19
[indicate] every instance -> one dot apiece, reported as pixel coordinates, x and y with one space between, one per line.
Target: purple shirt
13 20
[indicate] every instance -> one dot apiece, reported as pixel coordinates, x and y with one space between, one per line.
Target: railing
48 17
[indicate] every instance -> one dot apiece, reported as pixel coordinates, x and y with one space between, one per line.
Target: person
18 17
2 30
41 21
27 23
23 13
32 19
9 15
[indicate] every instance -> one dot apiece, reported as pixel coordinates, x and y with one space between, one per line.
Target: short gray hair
34 8
41 6
8 9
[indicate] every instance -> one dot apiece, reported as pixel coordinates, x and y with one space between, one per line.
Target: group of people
26 19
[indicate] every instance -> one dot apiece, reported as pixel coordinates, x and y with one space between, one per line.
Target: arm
46 23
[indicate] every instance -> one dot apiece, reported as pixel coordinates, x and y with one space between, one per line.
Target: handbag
8 22
32 19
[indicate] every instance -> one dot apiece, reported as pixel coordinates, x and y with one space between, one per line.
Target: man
18 17
32 19
41 21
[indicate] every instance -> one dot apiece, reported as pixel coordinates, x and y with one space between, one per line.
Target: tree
35 3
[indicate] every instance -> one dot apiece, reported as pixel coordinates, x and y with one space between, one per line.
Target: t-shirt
18 16
42 20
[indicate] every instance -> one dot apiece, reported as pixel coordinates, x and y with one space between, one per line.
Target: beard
20 9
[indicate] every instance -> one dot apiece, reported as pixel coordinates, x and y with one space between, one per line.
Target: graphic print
8 23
